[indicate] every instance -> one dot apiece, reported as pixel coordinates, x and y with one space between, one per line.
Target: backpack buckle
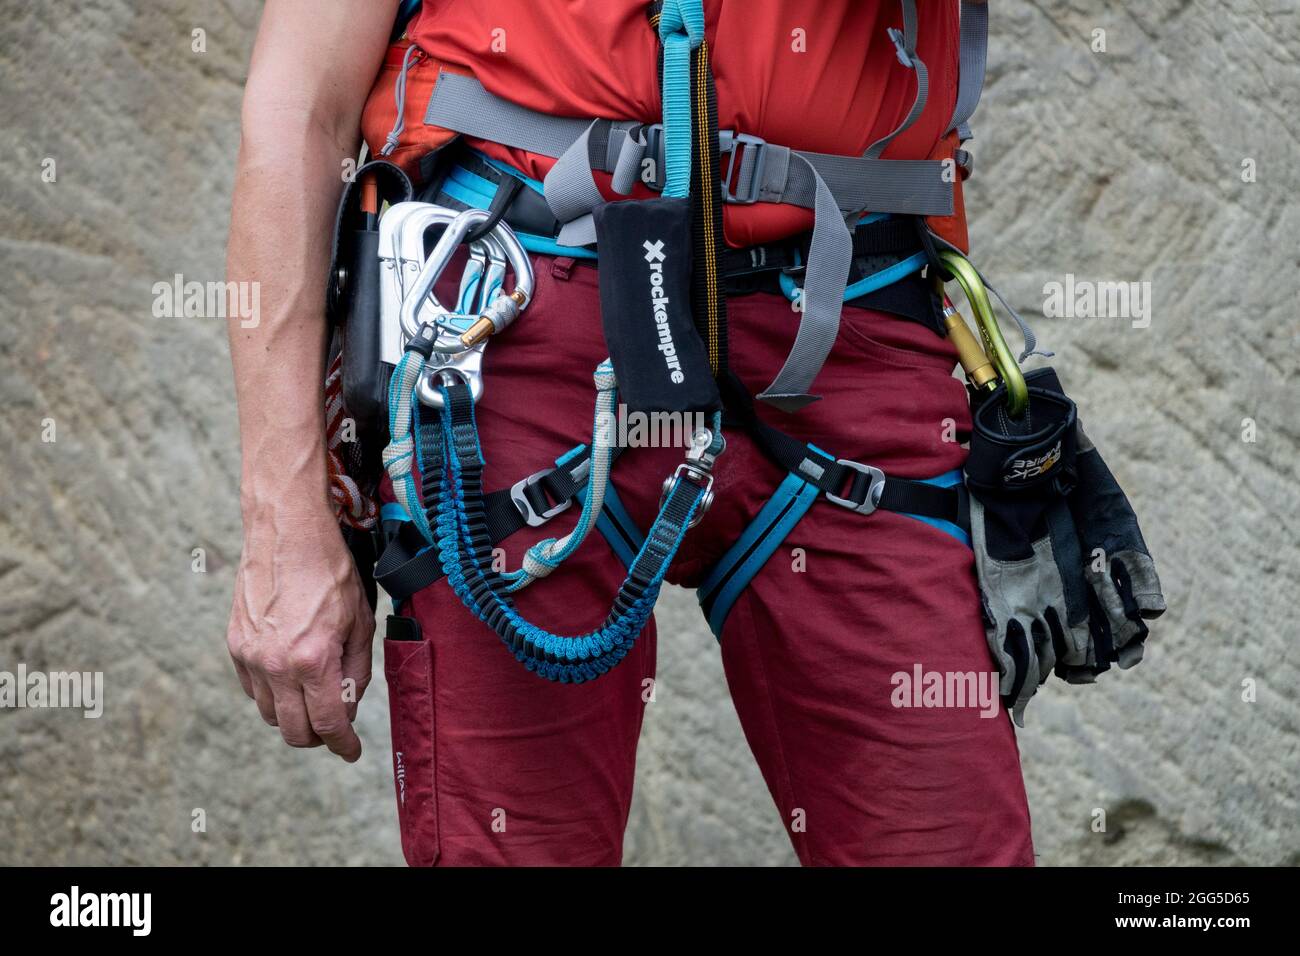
742 181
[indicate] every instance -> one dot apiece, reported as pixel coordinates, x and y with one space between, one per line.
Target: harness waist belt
762 172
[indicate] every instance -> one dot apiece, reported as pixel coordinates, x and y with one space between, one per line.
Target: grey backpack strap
905 44
974 57
461 103
825 276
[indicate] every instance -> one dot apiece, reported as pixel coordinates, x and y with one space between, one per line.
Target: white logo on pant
654 254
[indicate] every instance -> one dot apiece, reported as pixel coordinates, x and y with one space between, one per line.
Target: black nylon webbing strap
913 297
899 494
708 298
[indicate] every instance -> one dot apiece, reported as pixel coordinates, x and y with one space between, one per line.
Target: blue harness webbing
774 522
732 574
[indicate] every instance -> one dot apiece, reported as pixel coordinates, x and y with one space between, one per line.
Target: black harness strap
842 481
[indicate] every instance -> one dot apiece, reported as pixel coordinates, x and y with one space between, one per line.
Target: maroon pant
496 766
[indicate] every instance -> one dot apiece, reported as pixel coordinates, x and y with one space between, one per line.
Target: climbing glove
1123 587
1019 473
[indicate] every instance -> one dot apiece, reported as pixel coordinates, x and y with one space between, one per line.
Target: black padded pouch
645 306
353 298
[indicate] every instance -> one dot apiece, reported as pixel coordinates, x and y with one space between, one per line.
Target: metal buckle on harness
697 475
525 507
531 516
874 490
753 160
698 467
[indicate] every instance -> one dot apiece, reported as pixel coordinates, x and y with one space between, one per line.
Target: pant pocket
408 668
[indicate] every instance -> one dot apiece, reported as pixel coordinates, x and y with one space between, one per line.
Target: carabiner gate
995 345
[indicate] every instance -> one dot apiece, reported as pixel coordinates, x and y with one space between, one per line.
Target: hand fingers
356 663
245 681
264 696
291 714
329 717
234 645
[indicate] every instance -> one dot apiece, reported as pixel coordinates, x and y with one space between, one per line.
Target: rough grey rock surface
1124 165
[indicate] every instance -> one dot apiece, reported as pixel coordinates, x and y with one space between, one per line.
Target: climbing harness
445 524
422 530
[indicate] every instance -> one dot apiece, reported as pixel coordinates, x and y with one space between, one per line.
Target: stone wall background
1120 166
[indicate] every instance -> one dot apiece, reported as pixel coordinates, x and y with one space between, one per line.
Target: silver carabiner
402 229
458 349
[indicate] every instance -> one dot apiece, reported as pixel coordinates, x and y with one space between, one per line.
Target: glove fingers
1131 653
1021 686
1017 652
998 648
1117 605
1073 664
1130 647
1143 584
1102 639
1048 636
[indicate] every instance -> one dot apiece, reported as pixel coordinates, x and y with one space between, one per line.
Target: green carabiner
990 332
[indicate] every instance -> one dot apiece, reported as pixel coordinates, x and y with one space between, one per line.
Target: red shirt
822 77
